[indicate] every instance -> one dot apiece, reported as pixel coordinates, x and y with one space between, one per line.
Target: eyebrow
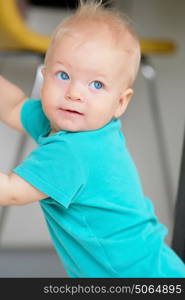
98 74
59 63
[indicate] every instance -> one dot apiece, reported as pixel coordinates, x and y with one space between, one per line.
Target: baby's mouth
71 111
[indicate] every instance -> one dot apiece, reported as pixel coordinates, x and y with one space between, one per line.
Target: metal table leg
149 74
178 243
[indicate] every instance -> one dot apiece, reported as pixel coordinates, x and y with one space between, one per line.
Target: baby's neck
52 132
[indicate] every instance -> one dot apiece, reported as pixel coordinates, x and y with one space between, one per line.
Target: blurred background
25 245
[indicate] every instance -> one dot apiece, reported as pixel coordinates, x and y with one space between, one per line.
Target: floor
30 263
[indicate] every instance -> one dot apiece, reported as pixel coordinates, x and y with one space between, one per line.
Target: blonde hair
93 13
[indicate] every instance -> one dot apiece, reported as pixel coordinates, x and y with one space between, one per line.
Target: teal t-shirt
100 222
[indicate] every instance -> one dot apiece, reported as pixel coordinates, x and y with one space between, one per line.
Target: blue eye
96 84
63 75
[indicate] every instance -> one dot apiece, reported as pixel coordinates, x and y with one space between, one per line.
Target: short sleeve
54 170
33 118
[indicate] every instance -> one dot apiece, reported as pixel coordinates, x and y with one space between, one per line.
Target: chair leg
21 144
178 243
20 151
149 74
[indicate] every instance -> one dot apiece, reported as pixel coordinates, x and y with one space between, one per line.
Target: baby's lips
73 111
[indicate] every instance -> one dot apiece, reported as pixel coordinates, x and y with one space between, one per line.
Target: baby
82 174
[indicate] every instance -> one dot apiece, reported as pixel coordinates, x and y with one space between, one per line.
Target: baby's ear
43 70
123 102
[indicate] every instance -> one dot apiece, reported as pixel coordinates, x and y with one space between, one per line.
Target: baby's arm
11 101
14 190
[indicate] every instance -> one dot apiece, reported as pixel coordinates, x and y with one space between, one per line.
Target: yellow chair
16 36
14 32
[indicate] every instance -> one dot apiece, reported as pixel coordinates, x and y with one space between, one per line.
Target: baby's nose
74 92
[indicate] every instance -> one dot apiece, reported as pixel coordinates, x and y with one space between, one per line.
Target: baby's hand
11 101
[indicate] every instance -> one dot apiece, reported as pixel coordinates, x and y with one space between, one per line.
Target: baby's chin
77 129
72 126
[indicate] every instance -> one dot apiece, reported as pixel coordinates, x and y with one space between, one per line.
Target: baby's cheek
45 109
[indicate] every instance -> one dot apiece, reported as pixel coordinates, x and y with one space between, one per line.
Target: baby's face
84 85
